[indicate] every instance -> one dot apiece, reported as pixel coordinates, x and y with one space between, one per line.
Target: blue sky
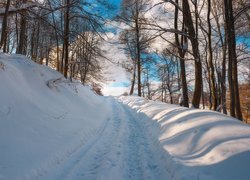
120 84
244 39
105 8
116 2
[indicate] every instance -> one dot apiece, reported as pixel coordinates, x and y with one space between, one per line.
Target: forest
195 53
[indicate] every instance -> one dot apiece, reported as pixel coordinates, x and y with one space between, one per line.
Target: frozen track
120 150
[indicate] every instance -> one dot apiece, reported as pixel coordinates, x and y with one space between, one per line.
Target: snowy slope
51 129
40 126
199 144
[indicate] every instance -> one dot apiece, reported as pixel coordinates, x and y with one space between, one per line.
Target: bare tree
216 11
22 45
235 108
132 14
182 51
210 58
194 41
168 76
3 42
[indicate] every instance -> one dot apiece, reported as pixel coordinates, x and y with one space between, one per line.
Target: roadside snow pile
41 113
50 127
199 144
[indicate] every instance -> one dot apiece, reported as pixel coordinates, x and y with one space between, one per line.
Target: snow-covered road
121 149
53 130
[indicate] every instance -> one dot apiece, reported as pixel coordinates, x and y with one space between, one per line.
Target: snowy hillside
41 125
199 144
53 129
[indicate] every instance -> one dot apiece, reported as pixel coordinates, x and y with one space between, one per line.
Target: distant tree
168 76
132 14
127 38
86 57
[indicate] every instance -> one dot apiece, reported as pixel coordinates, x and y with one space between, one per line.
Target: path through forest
120 150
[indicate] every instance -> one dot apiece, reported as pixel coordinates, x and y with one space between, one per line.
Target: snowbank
47 122
43 117
198 144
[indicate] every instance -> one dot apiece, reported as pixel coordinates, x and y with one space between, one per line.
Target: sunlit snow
51 128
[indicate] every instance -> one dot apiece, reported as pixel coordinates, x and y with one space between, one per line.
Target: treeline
63 34
206 37
179 51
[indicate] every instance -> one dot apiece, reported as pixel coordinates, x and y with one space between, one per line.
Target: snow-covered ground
43 118
199 144
53 129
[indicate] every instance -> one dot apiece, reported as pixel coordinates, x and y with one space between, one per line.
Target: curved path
122 149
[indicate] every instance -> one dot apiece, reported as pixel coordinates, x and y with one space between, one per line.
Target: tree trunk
66 38
222 82
4 27
138 49
182 53
235 108
210 60
133 79
194 41
22 45
148 85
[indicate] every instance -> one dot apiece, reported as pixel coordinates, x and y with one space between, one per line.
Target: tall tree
3 42
182 51
210 58
235 108
127 38
66 38
22 45
216 11
138 49
188 21
133 15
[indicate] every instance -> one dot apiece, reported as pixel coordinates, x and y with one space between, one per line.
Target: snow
200 144
51 128
41 126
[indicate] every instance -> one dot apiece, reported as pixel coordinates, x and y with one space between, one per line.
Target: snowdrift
45 120
198 144
43 117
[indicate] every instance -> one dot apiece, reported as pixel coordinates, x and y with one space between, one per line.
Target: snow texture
199 144
54 129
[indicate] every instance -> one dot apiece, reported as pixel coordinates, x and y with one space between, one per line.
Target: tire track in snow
145 157
121 150
101 156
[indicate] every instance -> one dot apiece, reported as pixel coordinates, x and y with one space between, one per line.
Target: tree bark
235 108
66 38
223 42
210 59
223 79
182 53
4 27
138 49
133 79
22 45
194 41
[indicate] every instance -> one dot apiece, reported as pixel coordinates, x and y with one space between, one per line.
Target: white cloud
114 91
114 52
